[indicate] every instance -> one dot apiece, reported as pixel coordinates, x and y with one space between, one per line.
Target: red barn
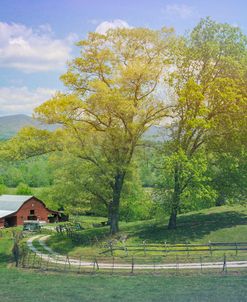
14 209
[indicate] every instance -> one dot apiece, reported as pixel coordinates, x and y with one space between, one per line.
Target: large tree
114 94
209 91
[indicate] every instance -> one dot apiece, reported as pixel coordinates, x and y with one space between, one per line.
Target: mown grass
221 224
16 285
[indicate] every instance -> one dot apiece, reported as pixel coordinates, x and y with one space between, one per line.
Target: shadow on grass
5 258
190 227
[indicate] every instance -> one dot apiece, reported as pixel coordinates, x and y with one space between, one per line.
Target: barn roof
11 203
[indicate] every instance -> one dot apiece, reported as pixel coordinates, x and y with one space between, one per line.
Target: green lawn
19 286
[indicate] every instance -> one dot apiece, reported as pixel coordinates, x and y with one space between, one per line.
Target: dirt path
59 259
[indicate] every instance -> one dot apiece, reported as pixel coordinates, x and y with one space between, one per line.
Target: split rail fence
153 258
129 265
166 249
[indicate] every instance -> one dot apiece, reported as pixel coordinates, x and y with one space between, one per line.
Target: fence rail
49 262
177 248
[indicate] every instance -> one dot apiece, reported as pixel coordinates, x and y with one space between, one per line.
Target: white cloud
103 27
182 11
30 50
17 100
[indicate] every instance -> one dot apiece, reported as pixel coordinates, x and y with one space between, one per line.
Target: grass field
216 224
219 224
19 286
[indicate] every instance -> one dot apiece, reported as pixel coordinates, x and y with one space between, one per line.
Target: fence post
47 263
16 252
187 247
132 265
236 245
210 247
79 268
111 248
166 248
224 264
68 261
177 264
125 249
96 264
113 264
144 247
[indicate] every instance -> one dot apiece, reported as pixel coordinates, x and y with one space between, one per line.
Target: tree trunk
175 200
114 205
173 220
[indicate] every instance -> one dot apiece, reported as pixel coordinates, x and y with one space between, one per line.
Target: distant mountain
11 124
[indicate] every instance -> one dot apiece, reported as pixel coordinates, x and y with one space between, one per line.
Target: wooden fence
129 265
186 248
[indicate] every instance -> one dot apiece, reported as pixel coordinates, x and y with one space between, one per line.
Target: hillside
11 124
217 224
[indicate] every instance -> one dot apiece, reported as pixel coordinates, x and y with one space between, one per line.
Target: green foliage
208 84
136 201
196 193
78 185
76 190
144 158
122 83
111 101
34 172
23 189
228 172
3 189
11 175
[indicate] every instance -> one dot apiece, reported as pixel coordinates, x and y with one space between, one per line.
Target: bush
23 189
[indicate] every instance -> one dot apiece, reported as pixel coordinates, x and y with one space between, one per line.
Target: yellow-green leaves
112 88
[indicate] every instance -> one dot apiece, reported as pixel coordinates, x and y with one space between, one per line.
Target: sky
37 37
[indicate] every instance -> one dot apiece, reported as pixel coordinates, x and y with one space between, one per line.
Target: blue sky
37 36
